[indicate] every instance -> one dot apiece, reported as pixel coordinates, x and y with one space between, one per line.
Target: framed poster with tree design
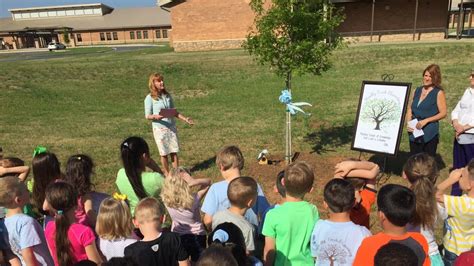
380 117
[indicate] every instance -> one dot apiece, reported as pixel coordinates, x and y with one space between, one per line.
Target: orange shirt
360 214
370 245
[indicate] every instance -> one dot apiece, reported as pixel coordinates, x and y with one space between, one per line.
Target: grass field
90 101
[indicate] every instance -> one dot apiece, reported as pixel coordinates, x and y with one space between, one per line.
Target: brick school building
84 24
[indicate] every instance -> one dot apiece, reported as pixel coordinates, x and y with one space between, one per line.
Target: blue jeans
449 258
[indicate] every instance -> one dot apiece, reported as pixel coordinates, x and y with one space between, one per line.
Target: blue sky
8 4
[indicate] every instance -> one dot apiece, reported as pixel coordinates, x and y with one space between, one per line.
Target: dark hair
132 150
78 172
470 169
357 182
395 254
46 169
62 197
241 190
280 188
235 241
85 263
397 203
125 261
299 178
339 195
217 255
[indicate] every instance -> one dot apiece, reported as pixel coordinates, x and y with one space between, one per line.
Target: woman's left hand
421 124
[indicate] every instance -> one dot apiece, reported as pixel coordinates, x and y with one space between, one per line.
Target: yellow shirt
459 235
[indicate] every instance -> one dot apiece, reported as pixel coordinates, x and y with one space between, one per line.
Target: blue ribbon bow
291 107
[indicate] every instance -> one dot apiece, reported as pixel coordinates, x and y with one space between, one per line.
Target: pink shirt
80 212
187 221
80 236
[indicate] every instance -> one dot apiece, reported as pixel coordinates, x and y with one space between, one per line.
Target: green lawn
90 101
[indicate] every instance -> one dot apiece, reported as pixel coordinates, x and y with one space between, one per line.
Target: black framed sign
380 117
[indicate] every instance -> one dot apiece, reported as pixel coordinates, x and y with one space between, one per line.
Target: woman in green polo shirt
132 179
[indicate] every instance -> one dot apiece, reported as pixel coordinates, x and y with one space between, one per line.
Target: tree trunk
377 127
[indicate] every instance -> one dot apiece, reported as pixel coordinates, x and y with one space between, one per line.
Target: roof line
58 7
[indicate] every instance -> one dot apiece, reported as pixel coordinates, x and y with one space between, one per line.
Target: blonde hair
151 85
421 171
114 220
148 210
230 157
175 192
10 187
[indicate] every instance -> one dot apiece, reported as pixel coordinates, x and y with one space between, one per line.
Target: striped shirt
459 235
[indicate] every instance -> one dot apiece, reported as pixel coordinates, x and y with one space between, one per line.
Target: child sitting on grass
25 234
361 174
156 247
242 193
183 207
15 166
459 236
230 162
68 241
287 229
79 169
396 208
335 241
421 171
114 227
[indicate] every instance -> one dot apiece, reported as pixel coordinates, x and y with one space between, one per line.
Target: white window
61 13
69 12
43 14
88 11
79 12
98 11
34 14
17 16
52 14
25 15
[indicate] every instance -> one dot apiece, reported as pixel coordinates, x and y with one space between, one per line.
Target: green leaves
294 36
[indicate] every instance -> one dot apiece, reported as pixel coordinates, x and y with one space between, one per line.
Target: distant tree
380 110
294 36
66 36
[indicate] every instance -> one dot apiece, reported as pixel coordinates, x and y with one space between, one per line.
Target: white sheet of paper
416 132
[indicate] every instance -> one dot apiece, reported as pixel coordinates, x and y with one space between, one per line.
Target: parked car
56 46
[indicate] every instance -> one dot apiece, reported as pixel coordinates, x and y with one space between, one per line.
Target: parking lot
44 54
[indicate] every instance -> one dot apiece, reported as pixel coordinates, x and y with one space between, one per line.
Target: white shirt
336 243
464 110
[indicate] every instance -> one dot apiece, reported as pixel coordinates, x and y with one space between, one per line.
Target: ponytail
63 251
426 209
62 197
421 171
132 151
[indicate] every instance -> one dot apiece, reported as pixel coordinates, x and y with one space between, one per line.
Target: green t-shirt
291 225
152 182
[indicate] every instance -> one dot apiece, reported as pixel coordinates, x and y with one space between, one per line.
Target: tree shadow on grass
395 164
206 164
326 138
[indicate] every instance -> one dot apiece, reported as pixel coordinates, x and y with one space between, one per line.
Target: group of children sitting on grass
68 223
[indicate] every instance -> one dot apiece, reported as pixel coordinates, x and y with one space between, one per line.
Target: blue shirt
427 108
26 232
216 200
153 107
